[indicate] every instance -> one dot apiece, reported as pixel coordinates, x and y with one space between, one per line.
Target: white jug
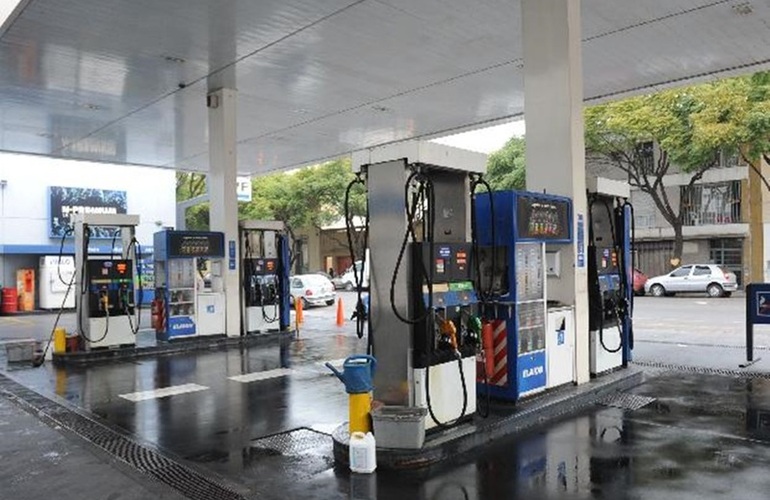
363 453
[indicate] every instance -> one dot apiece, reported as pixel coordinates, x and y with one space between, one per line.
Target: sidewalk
37 461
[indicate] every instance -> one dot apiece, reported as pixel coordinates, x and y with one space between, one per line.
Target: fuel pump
264 276
514 228
105 294
610 276
189 293
423 313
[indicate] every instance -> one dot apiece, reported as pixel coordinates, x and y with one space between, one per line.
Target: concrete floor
705 436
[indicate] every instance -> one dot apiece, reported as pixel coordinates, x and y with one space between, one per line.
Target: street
216 425
685 330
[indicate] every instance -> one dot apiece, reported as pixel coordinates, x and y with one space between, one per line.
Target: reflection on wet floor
651 453
260 417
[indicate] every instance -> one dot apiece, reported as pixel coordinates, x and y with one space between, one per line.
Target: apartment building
724 215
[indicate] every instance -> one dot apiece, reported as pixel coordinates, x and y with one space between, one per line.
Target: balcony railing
709 204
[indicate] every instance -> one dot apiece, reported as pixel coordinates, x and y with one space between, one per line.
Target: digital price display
199 244
543 218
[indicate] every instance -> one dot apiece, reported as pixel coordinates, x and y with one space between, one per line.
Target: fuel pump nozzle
474 328
104 301
448 329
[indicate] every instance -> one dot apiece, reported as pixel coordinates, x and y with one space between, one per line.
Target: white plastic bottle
363 453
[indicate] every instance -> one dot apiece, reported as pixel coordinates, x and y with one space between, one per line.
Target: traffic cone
340 313
300 318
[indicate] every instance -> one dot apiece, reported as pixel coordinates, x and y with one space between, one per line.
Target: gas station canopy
126 82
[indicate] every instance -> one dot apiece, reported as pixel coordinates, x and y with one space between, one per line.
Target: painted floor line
163 393
266 375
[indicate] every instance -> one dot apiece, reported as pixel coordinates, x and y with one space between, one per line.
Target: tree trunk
676 255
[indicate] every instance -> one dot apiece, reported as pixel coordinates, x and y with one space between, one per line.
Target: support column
553 109
223 213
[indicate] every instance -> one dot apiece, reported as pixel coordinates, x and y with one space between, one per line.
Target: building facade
38 194
724 218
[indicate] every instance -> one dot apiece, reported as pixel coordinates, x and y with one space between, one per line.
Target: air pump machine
264 276
189 294
610 274
104 285
523 223
423 300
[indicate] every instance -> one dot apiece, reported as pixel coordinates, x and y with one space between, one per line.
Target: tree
742 122
506 167
691 126
190 185
309 198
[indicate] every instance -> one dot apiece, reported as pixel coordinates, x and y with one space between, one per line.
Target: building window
645 210
728 253
718 203
731 158
644 157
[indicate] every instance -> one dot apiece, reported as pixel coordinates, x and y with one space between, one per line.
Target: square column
553 109
223 212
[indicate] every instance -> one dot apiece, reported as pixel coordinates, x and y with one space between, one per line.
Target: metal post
755 313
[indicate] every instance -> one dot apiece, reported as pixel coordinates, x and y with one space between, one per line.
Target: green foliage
506 167
690 125
666 118
189 185
311 197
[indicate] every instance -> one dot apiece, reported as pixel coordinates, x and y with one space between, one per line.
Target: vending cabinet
189 299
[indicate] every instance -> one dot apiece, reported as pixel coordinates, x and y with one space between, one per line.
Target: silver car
313 290
709 278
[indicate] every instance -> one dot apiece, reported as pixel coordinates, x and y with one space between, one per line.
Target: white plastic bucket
363 453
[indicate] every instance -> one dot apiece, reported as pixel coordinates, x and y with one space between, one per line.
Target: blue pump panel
523 223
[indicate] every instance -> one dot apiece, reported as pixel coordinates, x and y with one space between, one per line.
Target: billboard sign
66 201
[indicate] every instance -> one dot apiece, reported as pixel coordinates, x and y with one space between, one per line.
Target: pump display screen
196 244
543 218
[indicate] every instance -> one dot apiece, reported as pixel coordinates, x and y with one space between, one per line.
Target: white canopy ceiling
125 81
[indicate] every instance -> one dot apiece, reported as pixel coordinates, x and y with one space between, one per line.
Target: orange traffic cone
300 318
340 313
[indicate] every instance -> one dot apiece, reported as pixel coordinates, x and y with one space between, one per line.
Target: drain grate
626 401
296 442
142 458
703 370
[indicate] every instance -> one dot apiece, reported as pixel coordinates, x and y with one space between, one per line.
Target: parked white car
709 278
348 278
312 289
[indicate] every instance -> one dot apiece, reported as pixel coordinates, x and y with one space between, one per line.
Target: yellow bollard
59 340
360 405
61 382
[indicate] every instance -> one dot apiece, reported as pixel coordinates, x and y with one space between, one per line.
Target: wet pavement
703 437
258 419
